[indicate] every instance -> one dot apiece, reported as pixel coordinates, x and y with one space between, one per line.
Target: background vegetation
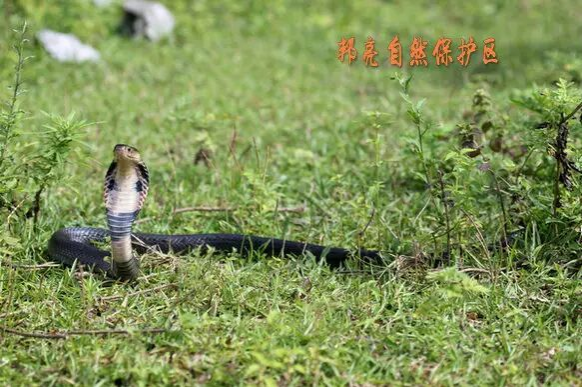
441 172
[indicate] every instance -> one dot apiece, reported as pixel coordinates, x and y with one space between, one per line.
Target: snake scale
126 188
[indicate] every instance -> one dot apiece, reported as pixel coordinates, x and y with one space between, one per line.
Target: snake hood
126 180
126 188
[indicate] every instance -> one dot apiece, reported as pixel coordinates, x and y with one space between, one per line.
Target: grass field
289 126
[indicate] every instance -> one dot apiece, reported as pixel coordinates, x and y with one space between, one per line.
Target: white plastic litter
148 19
66 47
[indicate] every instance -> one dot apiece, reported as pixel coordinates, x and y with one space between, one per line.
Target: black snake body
76 244
126 186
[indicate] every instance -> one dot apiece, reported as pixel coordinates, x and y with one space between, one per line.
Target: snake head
127 175
125 153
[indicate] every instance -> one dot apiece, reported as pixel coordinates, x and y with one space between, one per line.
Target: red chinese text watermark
442 52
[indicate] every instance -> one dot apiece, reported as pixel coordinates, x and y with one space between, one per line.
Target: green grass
289 125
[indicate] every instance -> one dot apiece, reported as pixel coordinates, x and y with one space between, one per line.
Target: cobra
125 191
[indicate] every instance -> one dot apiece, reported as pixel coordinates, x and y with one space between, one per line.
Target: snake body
126 188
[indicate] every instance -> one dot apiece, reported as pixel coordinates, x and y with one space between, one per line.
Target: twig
33 267
475 270
447 220
39 335
501 204
119 297
557 199
479 234
369 222
571 114
96 332
298 209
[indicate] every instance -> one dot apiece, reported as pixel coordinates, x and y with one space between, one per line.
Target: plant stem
447 220
9 125
556 204
421 155
501 204
578 107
